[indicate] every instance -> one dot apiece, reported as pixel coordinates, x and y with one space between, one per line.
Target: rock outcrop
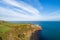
21 32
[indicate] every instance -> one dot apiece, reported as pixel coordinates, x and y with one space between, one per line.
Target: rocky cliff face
21 32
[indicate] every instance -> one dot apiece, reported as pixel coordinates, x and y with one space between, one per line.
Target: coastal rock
21 32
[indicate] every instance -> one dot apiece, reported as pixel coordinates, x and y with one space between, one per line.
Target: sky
30 10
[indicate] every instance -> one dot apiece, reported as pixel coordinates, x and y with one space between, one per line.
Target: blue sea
51 29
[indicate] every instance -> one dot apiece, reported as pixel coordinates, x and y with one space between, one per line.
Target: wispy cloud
22 6
6 12
25 11
21 11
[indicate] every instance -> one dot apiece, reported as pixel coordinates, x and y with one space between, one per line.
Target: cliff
10 31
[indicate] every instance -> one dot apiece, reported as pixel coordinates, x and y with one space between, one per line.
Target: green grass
4 28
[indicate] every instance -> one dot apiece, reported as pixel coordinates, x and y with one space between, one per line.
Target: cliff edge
10 31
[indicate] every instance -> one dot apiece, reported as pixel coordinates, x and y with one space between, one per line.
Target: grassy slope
5 26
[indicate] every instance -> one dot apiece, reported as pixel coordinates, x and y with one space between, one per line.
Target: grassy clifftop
10 31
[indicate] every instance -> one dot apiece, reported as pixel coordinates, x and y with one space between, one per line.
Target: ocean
50 29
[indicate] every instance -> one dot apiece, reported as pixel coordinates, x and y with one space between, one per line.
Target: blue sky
30 10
